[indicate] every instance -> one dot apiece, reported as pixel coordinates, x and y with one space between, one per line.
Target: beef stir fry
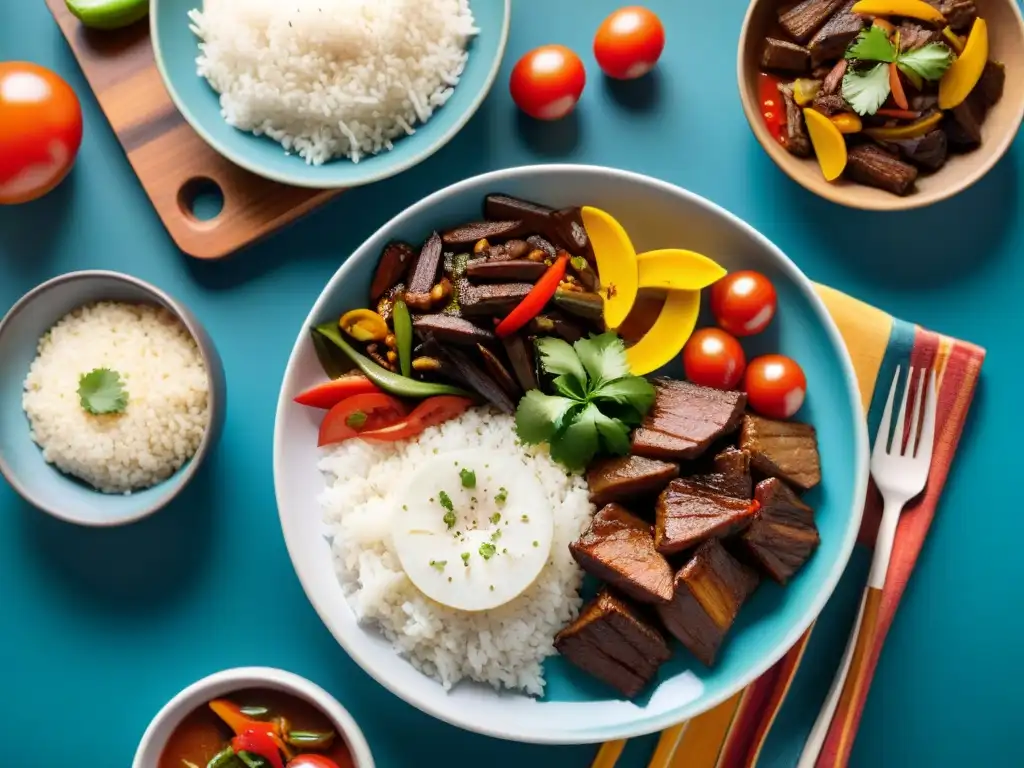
879 91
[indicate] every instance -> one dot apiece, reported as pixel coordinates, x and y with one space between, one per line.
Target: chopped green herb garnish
536 543
504 551
492 587
446 501
525 518
502 496
496 535
449 520
438 565
465 558
405 507
356 419
468 478
496 518
487 550
102 391
449 579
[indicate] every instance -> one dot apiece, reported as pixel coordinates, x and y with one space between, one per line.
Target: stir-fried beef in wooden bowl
883 104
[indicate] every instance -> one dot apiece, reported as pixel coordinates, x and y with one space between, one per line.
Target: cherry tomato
713 358
547 82
772 108
312 761
429 413
743 302
358 414
40 131
330 393
775 386
629 42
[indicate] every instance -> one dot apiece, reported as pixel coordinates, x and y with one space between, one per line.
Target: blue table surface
99 628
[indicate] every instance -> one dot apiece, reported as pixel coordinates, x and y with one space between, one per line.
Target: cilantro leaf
634 391
604 358
557 357
577 445
867 91
102 391
614 434
539 417
571 387
929 62
872 44
468 478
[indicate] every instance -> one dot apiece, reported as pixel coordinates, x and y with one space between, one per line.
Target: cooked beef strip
469 234
960 14
452 330
685 419
708 593
989 89
495 299
687 513
783 536
729 475
874 167
783 449
625 477
618 548
831 40
784 56
798 142
914 35
614 643
962 125
831 105
929 151
922 102
834 79
805 18
424 275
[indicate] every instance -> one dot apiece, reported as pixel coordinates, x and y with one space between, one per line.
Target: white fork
900 474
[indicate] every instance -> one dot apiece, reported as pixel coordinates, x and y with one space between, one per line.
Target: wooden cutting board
169 158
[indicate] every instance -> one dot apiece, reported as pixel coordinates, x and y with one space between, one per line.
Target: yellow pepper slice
677 270
668 335
847 122
913 130
805 91
616 264
829 144
911 9
364 325
964 73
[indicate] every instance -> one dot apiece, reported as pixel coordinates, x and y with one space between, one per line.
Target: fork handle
852 675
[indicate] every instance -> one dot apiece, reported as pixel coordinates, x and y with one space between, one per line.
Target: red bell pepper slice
330 393
259 742
536 299
773 108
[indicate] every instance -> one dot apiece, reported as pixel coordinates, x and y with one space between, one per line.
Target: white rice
165 379
332 78
503 647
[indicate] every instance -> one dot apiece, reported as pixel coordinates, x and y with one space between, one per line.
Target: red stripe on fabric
955 393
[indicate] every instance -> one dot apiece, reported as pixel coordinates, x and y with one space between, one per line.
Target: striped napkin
734 734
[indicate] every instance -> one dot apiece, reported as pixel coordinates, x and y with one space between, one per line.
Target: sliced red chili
536 299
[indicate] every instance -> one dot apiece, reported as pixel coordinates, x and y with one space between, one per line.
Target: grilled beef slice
831 40
963 123
797 140
687 513
914 36
708 593
960 14
989 89
618 548
783 536
929 151
470 234
729 475
834 79
874 167
830 105
451 330
392 268
424 275
685 419
803 19
784 56
612 642
784 449
624 477
493 299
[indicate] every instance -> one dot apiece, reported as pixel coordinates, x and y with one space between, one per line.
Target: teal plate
576 708
176 48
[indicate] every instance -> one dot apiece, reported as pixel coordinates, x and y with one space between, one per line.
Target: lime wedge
108 14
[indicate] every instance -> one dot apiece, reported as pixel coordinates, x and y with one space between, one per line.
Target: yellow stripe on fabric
668 742
942 357
609 753
703 739
865 330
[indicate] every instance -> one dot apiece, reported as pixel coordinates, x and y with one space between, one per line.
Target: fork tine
915 421
901 421
924 449
882 438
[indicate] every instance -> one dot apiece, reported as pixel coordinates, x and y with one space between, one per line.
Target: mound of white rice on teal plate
367 495
332 78
118 396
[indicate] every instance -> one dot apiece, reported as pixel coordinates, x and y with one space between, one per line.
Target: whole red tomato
744 302
40 131
629 43
714 358
775 386
547 82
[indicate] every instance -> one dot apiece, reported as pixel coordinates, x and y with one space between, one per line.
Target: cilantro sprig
597 402
866 88
102 391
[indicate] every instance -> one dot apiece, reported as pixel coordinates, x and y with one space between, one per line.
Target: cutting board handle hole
201 199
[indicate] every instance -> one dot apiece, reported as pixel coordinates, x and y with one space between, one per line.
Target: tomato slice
429 413
358 414
330 393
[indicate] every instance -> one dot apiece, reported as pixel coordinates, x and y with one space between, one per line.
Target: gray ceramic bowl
21 460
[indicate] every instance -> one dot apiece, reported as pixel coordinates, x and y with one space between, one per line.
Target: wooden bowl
1006 43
